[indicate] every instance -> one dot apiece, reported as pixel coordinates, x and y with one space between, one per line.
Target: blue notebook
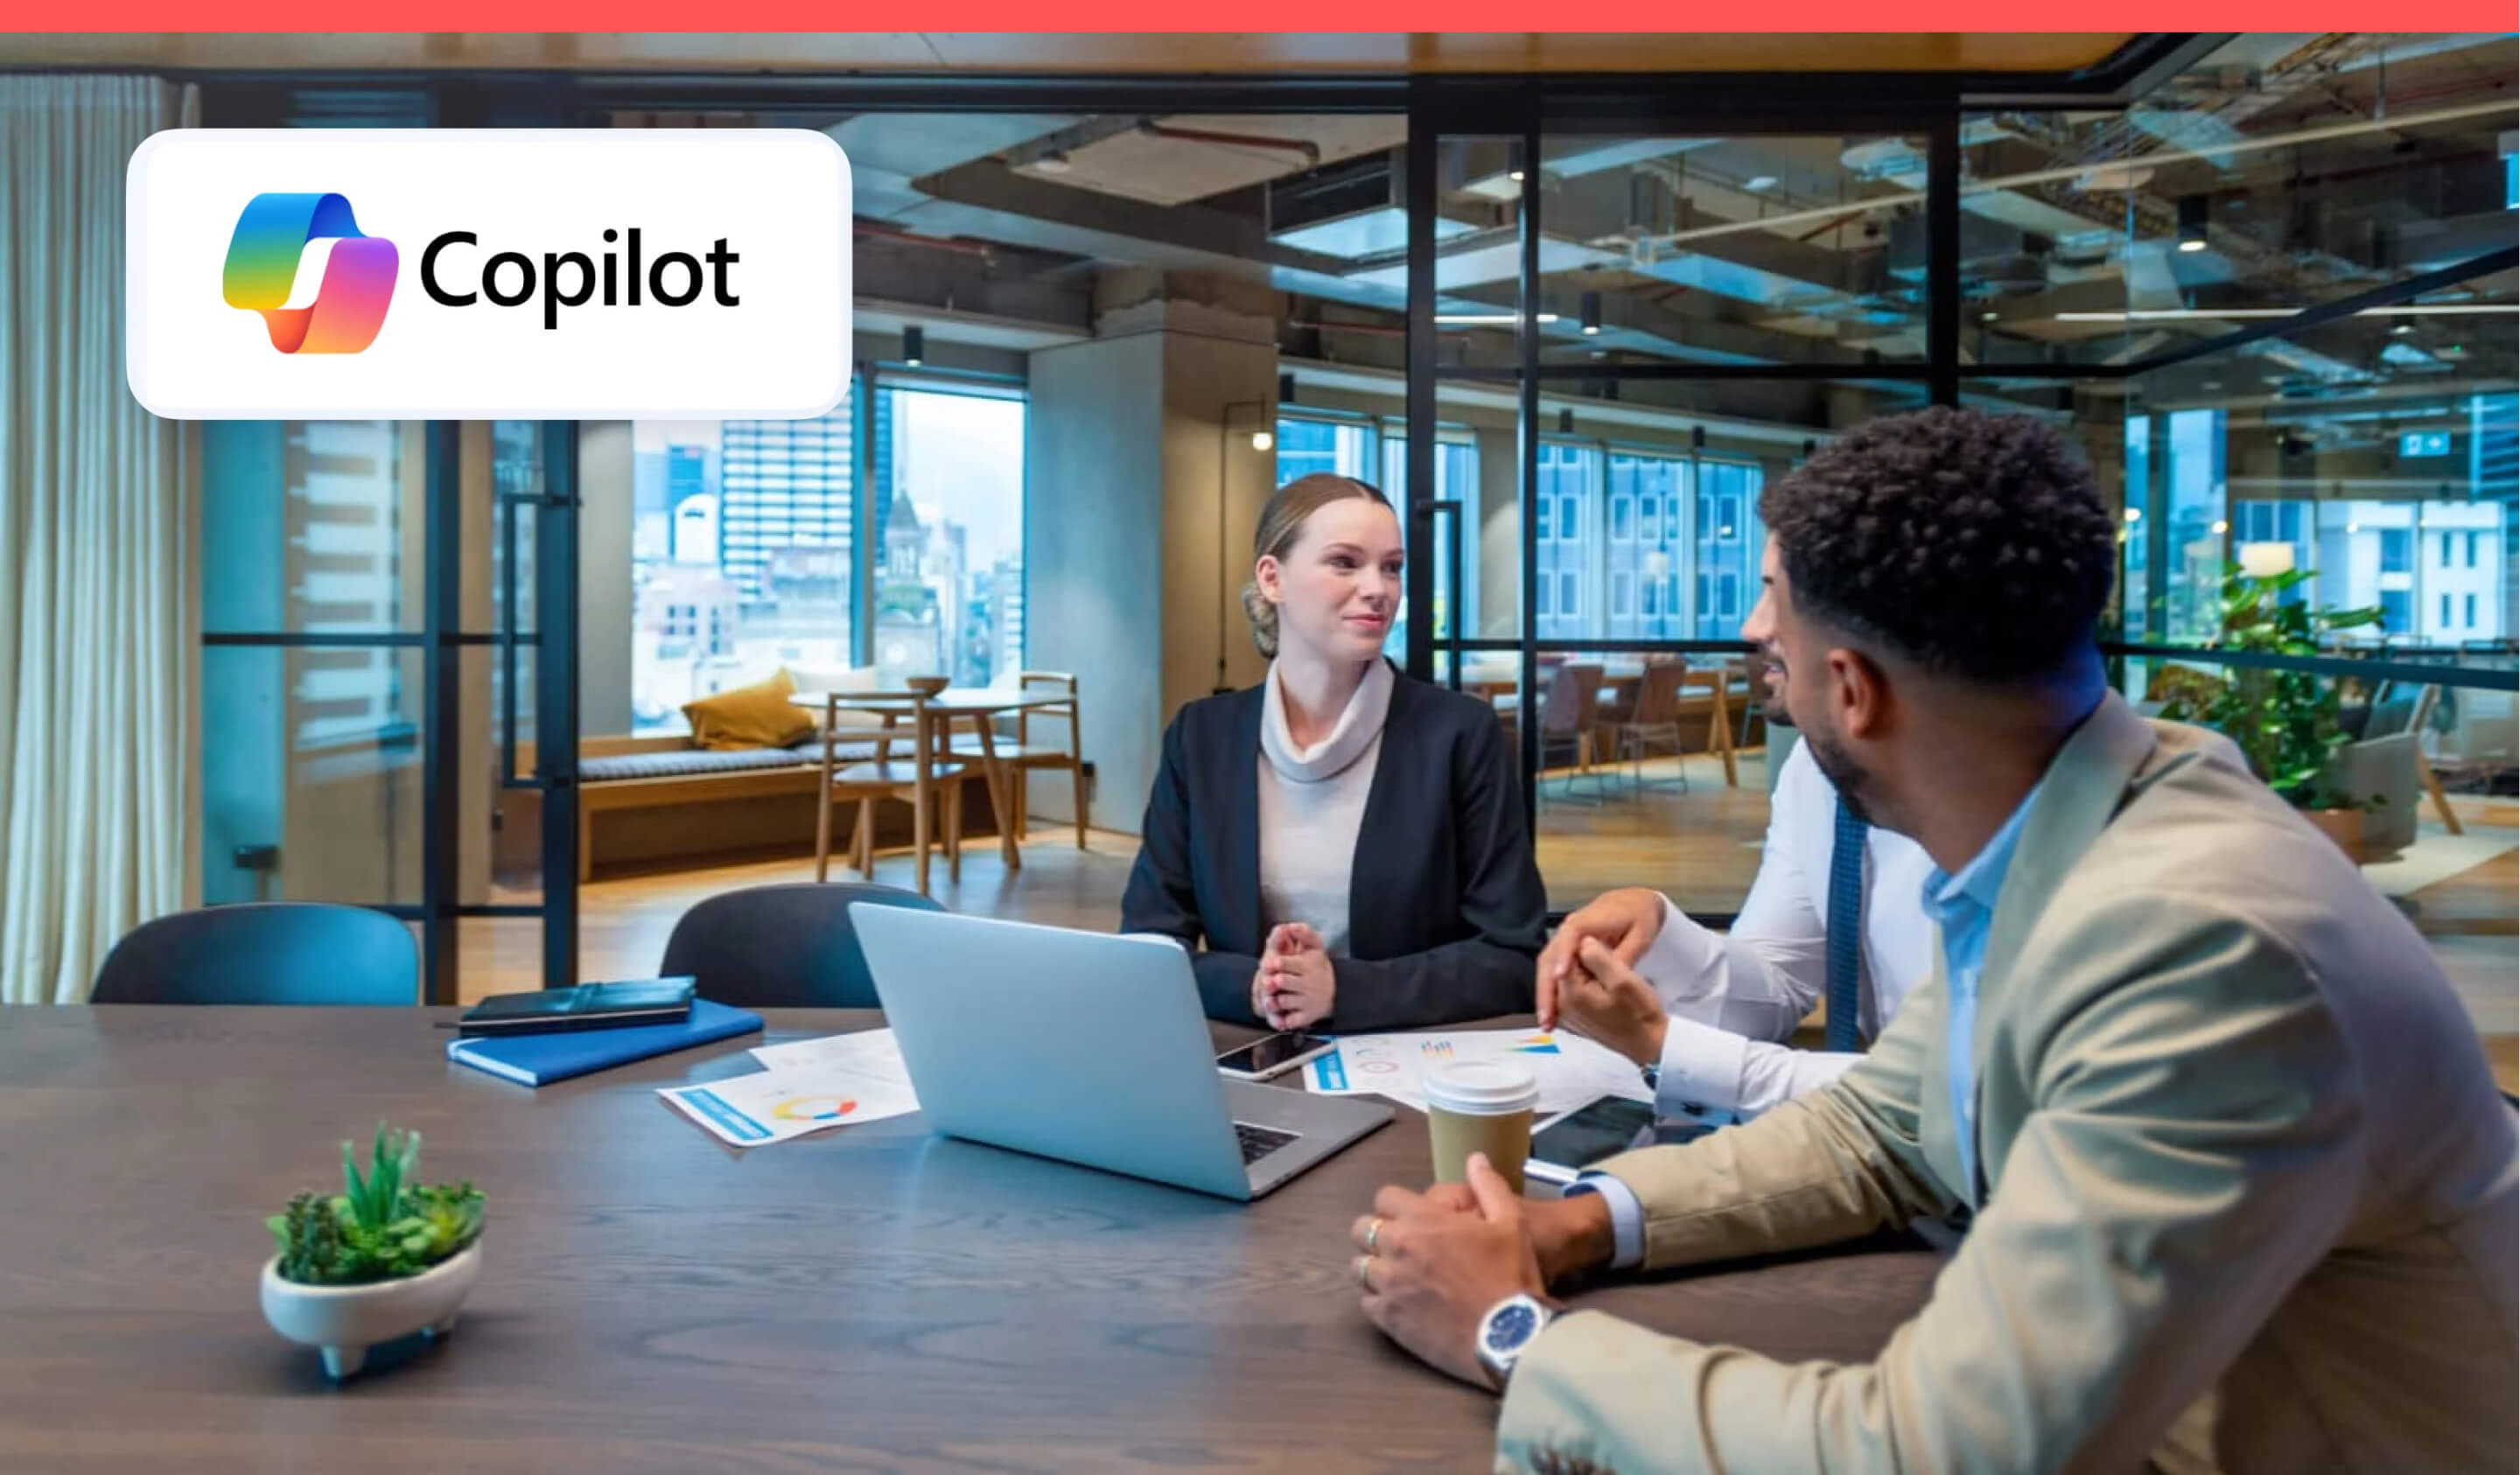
540 1059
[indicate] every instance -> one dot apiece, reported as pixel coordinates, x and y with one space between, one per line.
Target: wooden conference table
871 1298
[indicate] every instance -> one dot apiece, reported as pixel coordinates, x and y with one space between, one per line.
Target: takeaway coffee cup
1480 1106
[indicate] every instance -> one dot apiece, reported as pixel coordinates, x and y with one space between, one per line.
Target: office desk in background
869 1298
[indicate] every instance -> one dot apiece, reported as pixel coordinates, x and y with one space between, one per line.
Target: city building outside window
745 556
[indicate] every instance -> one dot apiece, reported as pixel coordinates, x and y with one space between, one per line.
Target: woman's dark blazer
1445 907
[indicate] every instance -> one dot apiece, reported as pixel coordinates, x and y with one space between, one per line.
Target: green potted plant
2288 723
386 1257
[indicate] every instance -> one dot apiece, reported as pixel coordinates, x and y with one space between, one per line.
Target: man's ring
1373 1234
1364 1263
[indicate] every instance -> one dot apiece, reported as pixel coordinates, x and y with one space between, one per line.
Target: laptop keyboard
1259 1141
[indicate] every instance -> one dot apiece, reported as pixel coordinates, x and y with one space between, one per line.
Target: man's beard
1844 772
1772 691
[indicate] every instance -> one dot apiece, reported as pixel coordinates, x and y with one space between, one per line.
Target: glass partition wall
2279 321
1573 326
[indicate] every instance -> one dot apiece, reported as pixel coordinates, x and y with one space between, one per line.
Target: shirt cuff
1626 1216
1702 1067
1684 962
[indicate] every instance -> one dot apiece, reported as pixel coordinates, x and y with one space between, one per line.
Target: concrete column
603 521
1144 492
1498 529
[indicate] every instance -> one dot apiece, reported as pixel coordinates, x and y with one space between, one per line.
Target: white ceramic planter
345 1321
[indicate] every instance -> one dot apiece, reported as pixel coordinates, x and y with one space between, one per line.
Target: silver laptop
1088 1047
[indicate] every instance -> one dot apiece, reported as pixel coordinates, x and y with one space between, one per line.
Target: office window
2445 610
1622 596
1543 518
1308 445
2445 547
2472 611
1571 479
1648 595
744 553
1457 480
1542 605
2471 550
1725 545
947 564
1649 513
1623 519
2397 611
2397 549
2197 501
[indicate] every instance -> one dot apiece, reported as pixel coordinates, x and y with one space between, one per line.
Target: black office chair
781 947
305 953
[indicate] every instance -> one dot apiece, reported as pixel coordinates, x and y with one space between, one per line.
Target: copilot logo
271 241
488 273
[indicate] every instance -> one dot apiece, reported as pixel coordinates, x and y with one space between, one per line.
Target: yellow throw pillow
759 715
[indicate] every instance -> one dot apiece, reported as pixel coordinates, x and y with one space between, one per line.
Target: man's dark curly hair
1973 545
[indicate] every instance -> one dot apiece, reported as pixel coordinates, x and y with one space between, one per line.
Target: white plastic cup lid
1482 1088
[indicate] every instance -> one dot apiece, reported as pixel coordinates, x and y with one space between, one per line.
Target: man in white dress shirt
1701 1010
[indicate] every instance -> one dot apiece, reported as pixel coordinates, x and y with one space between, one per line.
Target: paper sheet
1571 1070
873 1052
774 1105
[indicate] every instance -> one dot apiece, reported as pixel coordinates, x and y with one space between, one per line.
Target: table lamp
2265 560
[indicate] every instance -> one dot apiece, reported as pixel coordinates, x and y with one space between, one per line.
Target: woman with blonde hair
1342 846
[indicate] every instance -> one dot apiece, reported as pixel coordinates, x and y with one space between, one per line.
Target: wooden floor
1700 845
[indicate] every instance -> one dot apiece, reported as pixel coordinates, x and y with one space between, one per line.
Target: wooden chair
1568 718
1654 722
1020 756
1718 726
929 781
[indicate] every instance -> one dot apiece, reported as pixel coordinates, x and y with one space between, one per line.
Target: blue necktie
1846 932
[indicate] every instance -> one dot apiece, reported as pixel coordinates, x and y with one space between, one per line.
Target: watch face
1512 1327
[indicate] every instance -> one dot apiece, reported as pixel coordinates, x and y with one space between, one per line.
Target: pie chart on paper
815 1108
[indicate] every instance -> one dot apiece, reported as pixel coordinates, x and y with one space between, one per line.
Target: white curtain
96 595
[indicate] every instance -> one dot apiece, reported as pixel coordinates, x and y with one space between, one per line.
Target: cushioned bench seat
733 799
690 761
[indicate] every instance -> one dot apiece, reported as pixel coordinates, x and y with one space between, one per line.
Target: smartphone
1273 1055
1600 1128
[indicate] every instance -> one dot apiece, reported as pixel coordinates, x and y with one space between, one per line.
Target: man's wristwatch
1505 1330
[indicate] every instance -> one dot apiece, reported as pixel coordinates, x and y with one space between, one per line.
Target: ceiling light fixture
2192 211
2135 515
913 346
1760 183
1592 313
1262 440
1487 319
1052 163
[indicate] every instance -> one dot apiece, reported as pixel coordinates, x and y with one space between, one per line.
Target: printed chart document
810 1084
1571 1069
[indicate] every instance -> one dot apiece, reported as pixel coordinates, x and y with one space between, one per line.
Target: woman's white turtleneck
1312 803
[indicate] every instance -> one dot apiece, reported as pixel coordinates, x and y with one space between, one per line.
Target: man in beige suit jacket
2243 1192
